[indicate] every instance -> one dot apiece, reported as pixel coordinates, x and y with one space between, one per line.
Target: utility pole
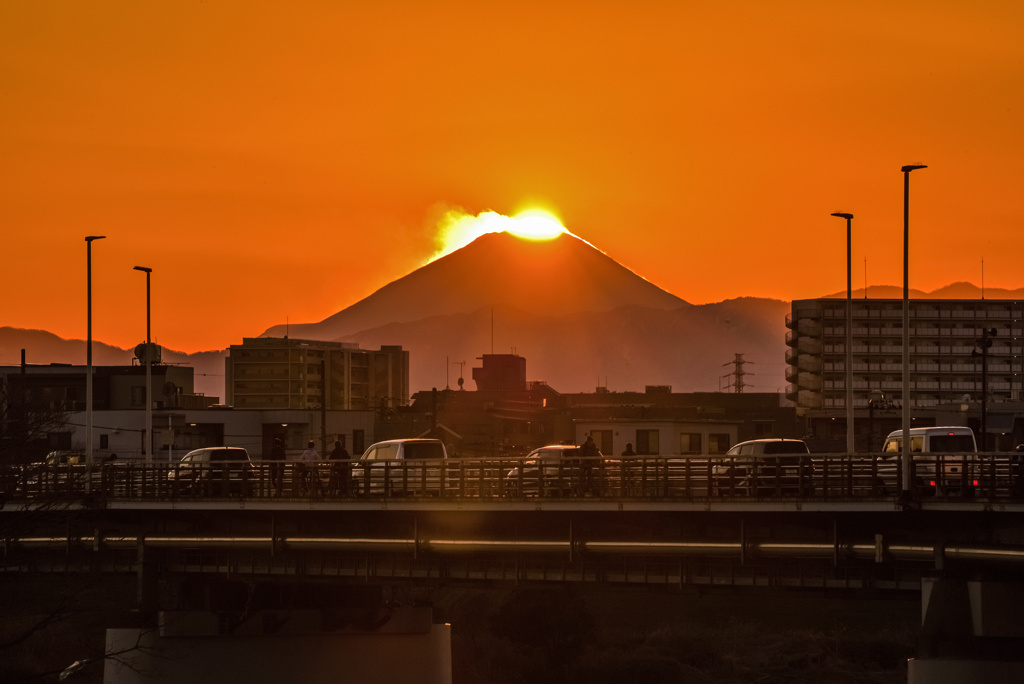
323 406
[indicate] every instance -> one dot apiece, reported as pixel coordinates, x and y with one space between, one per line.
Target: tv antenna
460 364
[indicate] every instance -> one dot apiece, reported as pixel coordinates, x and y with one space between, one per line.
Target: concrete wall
137 656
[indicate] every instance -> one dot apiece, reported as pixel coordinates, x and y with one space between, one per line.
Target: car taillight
975 483
932 483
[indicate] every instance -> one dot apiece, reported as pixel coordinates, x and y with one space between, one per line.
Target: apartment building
952 341
285 373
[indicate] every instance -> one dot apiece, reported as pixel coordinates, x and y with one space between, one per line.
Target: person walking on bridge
340 469
277 459
589 459
305 470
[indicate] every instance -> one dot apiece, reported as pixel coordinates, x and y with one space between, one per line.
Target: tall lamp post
147 443
850 442
905 456
88 347
985 343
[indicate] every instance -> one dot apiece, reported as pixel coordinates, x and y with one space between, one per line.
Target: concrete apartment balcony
808 399
809 345
806 381
809 364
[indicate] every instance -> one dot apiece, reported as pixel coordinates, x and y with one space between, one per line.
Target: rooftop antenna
983 277
865 277
492 329
461 365
286 323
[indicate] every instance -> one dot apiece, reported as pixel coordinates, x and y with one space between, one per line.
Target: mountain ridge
562 275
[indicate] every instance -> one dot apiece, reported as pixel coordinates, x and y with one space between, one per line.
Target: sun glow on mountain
456 229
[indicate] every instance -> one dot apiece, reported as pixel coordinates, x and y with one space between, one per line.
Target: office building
284 373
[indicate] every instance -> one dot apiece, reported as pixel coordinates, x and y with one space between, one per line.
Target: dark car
553 470
214 471
762 467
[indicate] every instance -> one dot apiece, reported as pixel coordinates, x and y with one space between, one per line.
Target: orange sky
273 160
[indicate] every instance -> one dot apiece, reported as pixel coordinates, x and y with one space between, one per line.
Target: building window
358 443
689 443
718 443
104 441
138 396
647 442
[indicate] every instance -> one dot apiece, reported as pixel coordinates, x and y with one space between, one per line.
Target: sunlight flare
456 229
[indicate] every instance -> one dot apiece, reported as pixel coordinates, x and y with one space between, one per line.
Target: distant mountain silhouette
959 290
624 349
43 348
549 278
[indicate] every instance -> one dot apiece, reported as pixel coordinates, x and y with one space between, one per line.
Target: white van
401 466
944 458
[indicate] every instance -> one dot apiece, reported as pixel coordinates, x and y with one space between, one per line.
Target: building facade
956 347
284 373
41 405
651 437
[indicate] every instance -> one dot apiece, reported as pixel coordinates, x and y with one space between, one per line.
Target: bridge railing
813 476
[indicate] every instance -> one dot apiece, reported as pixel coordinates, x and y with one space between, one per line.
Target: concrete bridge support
280 647
972 631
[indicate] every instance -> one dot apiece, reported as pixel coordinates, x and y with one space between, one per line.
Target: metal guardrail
993 476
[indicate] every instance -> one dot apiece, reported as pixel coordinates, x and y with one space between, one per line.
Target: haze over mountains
580 319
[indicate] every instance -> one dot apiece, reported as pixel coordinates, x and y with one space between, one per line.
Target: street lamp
906 465
88 347
146 443
985 343
850 443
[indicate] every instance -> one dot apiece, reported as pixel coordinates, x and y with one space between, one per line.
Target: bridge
821 522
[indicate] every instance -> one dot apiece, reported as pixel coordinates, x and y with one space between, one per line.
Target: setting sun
456 229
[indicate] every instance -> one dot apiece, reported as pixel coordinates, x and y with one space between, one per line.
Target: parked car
945 458
401 466
553 470
64 457
762 467
213 471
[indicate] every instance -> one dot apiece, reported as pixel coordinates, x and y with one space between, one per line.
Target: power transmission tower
737 382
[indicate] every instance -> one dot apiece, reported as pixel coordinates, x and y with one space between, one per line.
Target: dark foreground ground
534 635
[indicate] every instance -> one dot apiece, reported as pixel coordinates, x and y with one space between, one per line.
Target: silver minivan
401 466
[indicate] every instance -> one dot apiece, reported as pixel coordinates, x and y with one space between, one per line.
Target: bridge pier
147 583
281 647
971 631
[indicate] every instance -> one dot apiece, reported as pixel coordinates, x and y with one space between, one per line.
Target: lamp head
840 214
912 167
143 268
90 238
